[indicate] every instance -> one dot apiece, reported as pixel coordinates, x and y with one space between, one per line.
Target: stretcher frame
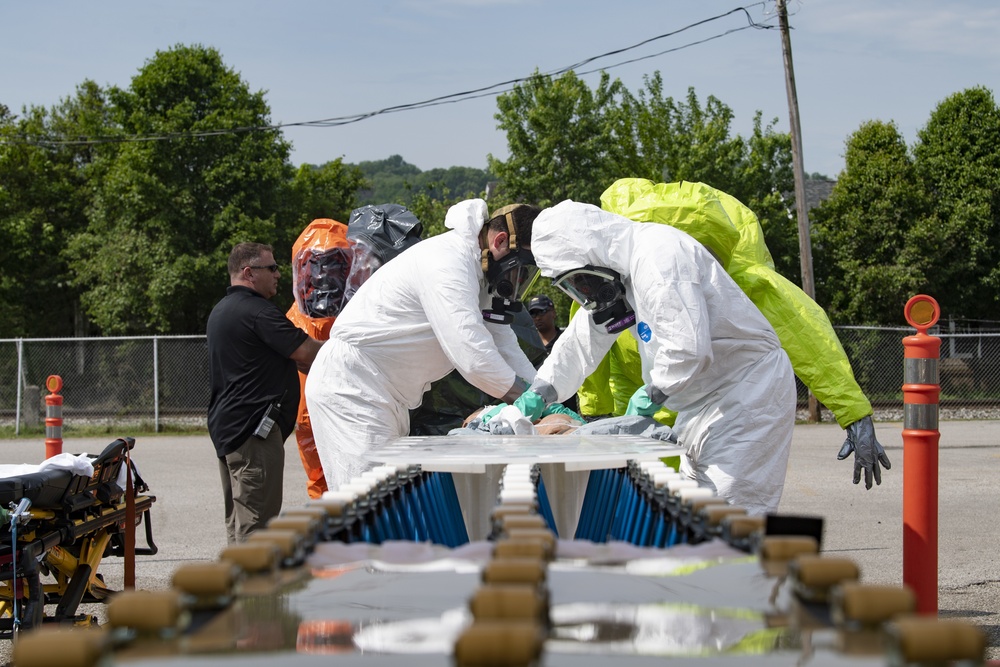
72 523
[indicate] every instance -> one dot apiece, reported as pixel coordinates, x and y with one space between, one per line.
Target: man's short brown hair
521 216
246 254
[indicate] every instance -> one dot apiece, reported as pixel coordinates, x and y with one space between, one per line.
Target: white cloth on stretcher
78 464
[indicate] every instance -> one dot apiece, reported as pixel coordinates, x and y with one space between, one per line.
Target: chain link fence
144 383
156 382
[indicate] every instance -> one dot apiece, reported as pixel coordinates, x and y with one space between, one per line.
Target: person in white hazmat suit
707 352
421 315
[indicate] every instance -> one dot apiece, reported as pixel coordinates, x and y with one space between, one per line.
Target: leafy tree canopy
44 195
957 158
567 141
927 220
860 231
166 213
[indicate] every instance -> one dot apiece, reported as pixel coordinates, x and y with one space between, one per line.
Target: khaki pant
251 484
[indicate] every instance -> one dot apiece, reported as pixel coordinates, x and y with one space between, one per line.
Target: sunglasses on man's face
536 311
273 268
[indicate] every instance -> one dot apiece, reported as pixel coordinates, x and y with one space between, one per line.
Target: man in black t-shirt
254 353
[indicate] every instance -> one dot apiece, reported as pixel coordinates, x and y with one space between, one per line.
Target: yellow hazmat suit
733 234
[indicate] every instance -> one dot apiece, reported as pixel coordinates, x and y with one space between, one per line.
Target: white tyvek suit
417 318
703 344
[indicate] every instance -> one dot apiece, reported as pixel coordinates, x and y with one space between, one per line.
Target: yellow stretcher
58 528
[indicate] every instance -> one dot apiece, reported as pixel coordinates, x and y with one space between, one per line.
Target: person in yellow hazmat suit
733 234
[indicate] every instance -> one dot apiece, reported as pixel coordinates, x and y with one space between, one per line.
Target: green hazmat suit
732 232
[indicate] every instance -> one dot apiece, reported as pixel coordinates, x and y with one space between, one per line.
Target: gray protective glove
868 453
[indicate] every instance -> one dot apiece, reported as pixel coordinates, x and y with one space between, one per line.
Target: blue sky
854 60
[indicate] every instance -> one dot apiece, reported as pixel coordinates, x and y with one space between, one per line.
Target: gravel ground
896 414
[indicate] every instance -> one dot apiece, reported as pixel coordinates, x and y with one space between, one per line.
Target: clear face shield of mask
601 292
320 282
363 264
509 279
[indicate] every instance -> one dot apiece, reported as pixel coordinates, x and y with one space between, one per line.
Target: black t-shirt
548 346
249 344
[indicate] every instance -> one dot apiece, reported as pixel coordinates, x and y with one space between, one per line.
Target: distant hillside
394 180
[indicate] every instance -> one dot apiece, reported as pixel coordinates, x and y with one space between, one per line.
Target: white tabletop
472 453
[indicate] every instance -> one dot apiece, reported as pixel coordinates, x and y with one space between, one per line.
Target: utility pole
805 245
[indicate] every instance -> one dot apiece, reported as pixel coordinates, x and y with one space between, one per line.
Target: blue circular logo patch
645 333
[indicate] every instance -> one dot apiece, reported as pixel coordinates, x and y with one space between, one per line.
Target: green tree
430 211
559 136
44 195
394 180
167 212
957 160
665 140
678 141
869 257
327 191
566 141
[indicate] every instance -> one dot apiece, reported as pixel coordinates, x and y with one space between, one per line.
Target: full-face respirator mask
601 292
321 279
509 278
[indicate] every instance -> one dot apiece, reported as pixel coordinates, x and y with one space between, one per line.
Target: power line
485 91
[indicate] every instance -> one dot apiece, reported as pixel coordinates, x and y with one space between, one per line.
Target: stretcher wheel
514 571
498 601
932 640
253 558
852 603
147 612
60 647
499 644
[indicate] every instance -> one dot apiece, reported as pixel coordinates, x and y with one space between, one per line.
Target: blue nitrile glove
531 405
868 453
641 404
560 409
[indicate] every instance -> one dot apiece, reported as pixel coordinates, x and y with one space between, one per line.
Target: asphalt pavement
864 525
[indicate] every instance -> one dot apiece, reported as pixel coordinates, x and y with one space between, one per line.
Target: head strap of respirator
510 277
601 292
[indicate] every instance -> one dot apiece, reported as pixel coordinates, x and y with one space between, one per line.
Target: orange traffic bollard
921 395
53 417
